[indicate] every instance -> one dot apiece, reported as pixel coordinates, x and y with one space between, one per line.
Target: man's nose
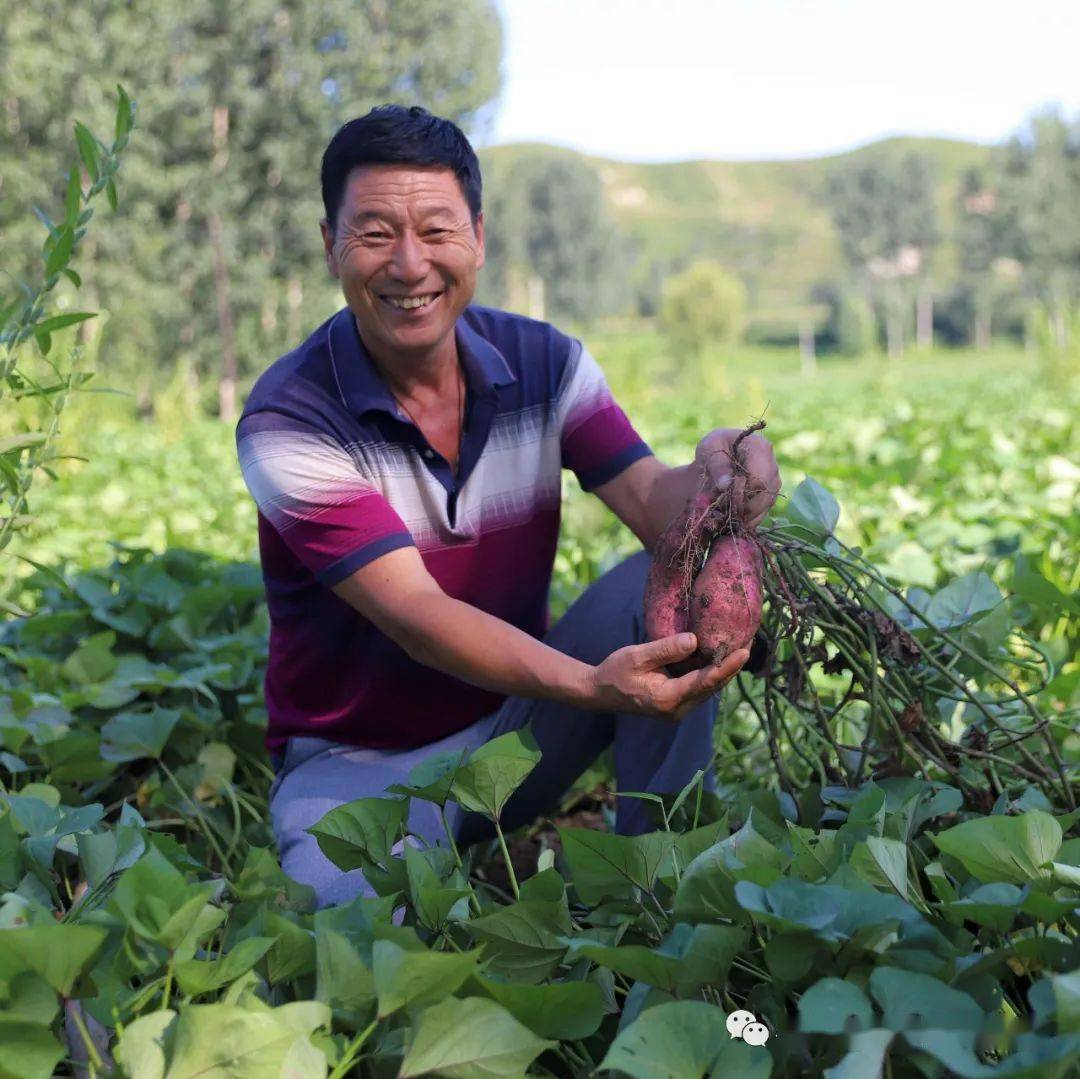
409 261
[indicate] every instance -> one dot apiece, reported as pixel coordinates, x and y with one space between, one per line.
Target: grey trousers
315 775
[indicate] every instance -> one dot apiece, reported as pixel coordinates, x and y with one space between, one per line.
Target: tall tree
884 214
978 238
554 250
216 255
1040 206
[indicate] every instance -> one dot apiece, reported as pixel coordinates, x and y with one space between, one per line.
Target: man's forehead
378 186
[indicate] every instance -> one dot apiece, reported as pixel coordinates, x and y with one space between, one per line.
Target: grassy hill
767 220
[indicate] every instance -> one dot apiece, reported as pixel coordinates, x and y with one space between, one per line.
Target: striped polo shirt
341 475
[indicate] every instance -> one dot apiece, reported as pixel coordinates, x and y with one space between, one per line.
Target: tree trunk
894 323
1059 327
807 351
981 326
924 317
227 382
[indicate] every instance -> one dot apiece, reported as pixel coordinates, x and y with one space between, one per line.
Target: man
406 463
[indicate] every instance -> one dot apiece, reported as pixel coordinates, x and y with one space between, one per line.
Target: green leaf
830 911
1033 1057
707 890
834 1006
416 978
524 941
707 956
88 149
60 252
432 778
682 1039
73 198
561 1010
1016 850
911 1001
362 831
198 976
604 865
93 660
494 771
342 979
882 862
156 902
104 853
15 443
814 507
29 1050
865 1056
228 1040
1067 1001
435 903
632 961
58 952
993 905
124 112
293 954
470 1039
130 736
110 193
963 600
737 1058
59 322
142 1048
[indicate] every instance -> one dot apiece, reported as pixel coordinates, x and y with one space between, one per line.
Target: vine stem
341 1069
94 1057
506 858
204 825
473 901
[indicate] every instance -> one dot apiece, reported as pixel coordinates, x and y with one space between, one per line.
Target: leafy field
891 924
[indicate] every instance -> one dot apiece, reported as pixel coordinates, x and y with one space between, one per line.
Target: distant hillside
767 220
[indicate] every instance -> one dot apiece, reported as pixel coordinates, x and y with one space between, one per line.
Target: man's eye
373 235
437 232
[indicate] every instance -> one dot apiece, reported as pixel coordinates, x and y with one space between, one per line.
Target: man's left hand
762 483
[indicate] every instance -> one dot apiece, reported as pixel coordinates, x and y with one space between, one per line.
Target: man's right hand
632 679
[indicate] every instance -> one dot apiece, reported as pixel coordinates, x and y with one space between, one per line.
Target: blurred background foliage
212 266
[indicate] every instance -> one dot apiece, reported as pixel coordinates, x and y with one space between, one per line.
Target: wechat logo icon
744 1025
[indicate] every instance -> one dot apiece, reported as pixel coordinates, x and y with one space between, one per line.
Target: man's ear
328 247
478 228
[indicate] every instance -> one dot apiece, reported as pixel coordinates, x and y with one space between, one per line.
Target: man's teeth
407 303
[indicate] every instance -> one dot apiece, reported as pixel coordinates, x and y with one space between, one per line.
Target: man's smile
410 303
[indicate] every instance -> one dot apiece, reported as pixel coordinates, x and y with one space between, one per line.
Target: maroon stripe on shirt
335 675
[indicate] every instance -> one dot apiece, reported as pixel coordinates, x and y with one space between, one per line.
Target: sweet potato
678 556
725 606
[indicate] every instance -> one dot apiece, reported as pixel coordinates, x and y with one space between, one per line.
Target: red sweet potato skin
666 608
725 606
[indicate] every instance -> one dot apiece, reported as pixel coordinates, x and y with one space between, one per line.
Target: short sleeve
330 515
595 435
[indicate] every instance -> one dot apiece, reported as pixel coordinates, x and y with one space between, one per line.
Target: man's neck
418 375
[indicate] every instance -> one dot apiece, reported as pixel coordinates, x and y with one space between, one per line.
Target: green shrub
704 304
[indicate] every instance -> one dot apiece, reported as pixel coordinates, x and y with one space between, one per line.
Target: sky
740 80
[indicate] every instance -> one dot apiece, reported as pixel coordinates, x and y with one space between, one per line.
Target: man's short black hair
398 134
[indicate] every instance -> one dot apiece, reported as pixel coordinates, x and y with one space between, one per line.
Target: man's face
406 253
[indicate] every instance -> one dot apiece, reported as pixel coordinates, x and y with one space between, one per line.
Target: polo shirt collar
362 388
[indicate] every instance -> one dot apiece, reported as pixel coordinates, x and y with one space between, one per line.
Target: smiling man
406 461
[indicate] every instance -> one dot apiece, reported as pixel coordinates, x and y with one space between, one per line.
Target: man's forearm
464 641
668 496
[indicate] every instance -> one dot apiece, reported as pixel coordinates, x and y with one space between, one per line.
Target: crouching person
406 462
